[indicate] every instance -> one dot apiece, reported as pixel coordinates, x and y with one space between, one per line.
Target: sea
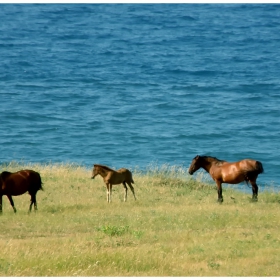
140 85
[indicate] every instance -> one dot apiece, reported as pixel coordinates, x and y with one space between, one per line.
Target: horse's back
236 172
251 164
246 163
250 168
13 183
127 175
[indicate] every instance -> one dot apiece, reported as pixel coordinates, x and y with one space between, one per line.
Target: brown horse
229 172
112 177
18 183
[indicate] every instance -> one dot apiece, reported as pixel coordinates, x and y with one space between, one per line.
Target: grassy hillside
175 228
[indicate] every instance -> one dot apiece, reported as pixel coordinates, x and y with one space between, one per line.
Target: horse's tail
40 183
259 167
131 179
253 173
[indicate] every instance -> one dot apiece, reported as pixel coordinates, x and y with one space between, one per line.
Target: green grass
175 228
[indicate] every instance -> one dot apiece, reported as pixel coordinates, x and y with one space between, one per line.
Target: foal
112 177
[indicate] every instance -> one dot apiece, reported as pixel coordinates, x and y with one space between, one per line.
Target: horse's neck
208 164
103 172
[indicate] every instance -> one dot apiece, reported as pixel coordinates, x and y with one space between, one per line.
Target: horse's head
195 165
95 171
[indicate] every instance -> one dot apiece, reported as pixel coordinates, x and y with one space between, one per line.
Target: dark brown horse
112 177
18 183
229 172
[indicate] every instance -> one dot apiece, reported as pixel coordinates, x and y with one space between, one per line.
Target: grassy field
175 228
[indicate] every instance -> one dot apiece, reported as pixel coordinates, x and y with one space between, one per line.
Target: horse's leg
255 189
125 191
12 203
108 192
33 201
30 207
220 191
110 185
132 189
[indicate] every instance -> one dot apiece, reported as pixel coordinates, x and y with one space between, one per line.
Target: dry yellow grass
175 228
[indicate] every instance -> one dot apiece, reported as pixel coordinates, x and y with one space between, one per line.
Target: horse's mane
104 167
214 159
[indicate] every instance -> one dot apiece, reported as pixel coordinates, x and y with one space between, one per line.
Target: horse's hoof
220 200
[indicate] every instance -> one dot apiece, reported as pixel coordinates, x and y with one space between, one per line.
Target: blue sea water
128 85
